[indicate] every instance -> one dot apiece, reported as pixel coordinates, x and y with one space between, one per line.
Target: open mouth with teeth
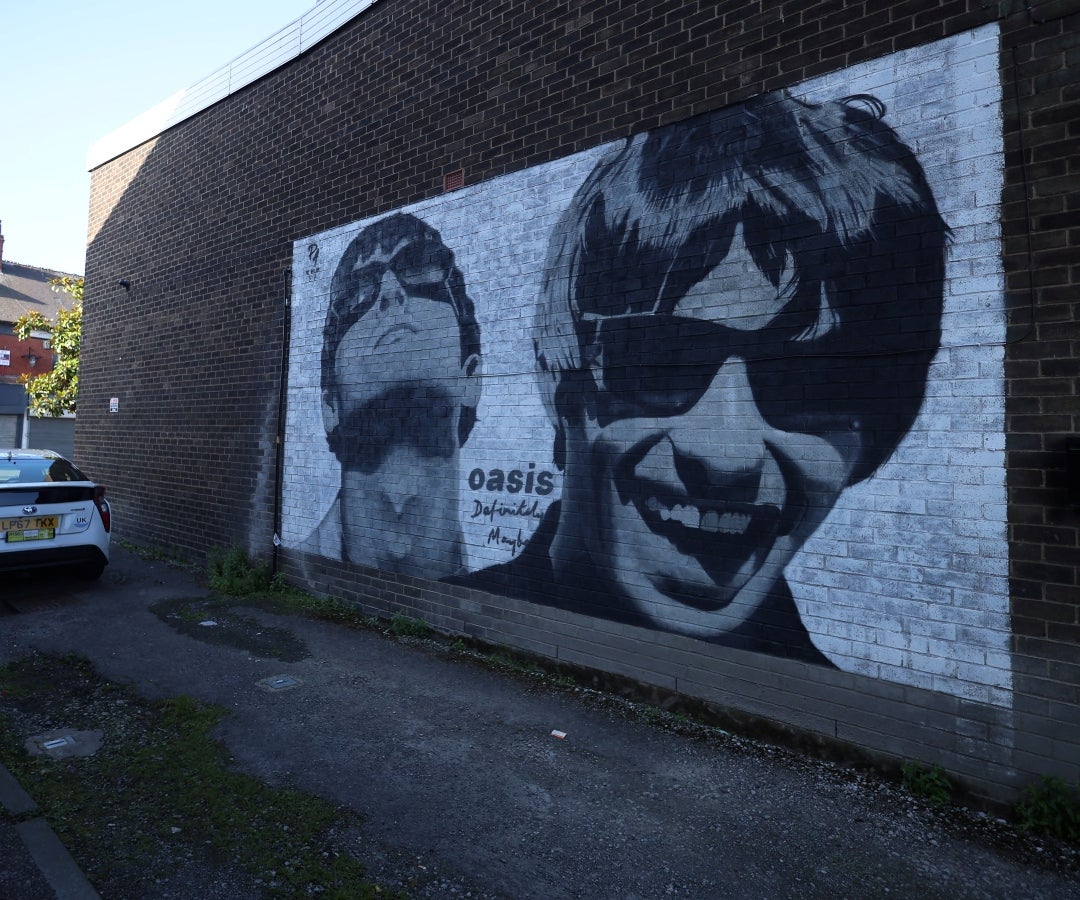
722 537
729 542
729 539
720 525
727 521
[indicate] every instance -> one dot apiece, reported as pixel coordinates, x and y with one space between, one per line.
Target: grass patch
238 582
232 573
929 783
1051 806
502 658
327 609
407 626
652 715
158 794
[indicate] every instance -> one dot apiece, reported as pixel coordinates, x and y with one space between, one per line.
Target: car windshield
34 470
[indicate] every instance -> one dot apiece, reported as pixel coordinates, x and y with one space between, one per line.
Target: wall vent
453 181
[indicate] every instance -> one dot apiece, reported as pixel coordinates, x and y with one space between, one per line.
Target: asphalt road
458 774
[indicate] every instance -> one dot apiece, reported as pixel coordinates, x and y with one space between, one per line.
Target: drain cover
64 744
278 682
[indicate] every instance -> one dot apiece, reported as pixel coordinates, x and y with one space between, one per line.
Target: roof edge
281 48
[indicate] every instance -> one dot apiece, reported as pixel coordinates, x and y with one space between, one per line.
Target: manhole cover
278 682
64 743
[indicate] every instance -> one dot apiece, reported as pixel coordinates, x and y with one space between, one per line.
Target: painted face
401 386
409 332
704 464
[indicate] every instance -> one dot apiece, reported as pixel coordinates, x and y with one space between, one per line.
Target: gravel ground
462 790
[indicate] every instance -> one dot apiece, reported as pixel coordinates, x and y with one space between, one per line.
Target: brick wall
1042 368
202 221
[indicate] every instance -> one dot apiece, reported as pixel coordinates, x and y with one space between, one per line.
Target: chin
679 596
692 612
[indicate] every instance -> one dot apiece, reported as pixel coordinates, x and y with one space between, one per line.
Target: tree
55 392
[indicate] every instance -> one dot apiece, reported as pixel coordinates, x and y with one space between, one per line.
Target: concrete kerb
46 849
12 796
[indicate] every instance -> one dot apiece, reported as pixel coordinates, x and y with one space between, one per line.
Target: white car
51 515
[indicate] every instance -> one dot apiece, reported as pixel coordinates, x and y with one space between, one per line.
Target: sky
72 72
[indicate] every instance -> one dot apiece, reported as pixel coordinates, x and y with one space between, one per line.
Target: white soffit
277 50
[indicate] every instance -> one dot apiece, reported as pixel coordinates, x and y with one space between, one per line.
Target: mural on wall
400 384
736 322
741 379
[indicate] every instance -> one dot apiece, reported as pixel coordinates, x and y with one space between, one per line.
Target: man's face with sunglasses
703 460
400 386
408 329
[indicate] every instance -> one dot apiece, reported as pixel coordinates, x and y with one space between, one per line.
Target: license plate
23 523
30 534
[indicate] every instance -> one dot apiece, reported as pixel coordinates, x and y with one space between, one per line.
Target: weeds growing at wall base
231 572
407 626
929 783
1051 806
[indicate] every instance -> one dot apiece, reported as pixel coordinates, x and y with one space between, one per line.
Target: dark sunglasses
662 365
422 271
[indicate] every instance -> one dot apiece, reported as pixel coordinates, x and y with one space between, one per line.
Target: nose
724 443
392 294
726 416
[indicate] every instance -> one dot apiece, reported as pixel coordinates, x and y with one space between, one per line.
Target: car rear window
32 470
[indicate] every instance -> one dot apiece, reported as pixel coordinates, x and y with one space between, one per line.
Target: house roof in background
26 289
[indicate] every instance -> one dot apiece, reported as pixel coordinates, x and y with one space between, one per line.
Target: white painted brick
926 534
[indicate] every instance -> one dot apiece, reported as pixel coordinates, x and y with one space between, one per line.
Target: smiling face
699 466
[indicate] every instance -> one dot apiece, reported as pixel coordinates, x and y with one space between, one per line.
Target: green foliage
232 573
651 715
70 284
928 783
1051 806
506 659
328 609
56 392
406 626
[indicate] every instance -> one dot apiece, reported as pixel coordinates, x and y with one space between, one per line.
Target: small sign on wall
114 404
5 357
